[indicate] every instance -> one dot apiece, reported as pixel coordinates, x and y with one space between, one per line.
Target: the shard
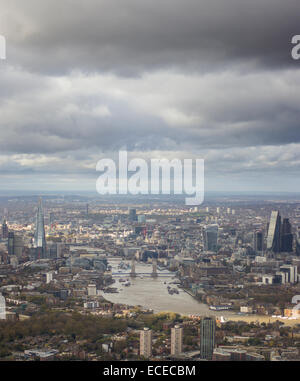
39 235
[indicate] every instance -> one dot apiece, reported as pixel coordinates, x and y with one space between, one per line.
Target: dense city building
204 260
258 241
207 337
211 237
176 340
146 343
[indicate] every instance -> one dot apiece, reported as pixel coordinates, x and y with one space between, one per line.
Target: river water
152 293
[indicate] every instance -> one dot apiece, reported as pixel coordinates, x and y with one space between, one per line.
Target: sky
169 79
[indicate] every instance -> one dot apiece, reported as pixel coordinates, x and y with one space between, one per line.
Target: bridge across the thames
143 274
134 274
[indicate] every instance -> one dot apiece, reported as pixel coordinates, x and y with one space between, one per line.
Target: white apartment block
146 343
176 340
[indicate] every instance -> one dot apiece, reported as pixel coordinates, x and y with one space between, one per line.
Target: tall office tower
15 245
39 235
258 241
146 342
211 237
207 337
176 340
4 229
218 210
286 236
87 209
18 246
273 237
132 215
10 243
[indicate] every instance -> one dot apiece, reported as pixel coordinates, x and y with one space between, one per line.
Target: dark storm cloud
211 79
158 111
133 36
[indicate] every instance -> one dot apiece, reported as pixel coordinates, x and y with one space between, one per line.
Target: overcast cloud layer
185 79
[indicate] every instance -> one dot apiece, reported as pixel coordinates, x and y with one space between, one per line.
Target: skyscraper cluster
207 339
280 237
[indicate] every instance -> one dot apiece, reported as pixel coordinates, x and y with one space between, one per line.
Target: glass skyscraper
258 241
280 237
39 235
207 337
273 237
211 237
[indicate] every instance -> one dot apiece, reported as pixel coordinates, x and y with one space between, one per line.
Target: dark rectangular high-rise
10 243
258 241
211 237
286 236
207 337
132 215
4 230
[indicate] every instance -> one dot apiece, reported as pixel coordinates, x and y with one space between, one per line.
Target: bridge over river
158 274
133 273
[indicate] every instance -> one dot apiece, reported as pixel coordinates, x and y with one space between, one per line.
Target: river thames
152 293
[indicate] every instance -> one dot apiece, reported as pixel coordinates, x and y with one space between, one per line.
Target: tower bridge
134 274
